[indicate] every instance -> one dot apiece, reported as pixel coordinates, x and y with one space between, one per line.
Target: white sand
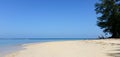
79 48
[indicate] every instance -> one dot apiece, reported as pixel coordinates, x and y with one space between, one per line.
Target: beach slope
76 48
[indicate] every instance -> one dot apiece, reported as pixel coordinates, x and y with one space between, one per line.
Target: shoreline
71 48
4 50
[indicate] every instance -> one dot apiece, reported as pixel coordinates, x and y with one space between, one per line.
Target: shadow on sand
116 52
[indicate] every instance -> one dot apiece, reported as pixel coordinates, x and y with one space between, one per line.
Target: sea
9 45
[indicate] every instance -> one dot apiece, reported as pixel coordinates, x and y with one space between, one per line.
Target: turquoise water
17 41
8 45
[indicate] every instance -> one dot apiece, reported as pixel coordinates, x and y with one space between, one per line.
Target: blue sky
48 18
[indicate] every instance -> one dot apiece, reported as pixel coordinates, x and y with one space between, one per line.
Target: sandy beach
75 48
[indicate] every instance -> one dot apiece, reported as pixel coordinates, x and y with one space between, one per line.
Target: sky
48 19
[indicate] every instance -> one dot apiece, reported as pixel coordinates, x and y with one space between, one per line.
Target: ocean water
9 45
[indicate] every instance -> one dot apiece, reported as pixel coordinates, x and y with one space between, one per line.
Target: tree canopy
109 17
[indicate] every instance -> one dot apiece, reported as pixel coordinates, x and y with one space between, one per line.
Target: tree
109 17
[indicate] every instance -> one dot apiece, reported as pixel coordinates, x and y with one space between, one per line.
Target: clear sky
48 18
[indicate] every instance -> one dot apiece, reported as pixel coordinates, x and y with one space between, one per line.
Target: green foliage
109 19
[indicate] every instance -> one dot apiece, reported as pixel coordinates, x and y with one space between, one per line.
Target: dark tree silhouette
109 16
